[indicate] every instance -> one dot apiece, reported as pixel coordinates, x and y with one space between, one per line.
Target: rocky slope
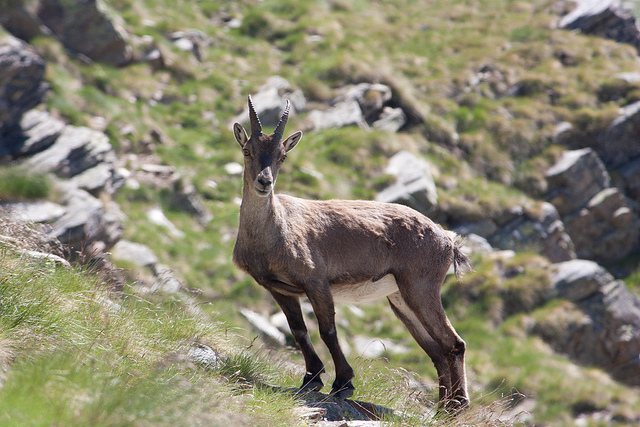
581 213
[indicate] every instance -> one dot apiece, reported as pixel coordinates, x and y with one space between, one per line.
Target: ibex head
264 154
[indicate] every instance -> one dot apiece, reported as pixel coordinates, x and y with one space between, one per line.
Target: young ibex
346 251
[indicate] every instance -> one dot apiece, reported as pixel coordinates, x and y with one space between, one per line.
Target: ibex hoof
312 386
344 392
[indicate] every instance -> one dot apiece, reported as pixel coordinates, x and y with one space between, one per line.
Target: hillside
499 120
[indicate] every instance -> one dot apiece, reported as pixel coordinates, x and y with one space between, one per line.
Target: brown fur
295 247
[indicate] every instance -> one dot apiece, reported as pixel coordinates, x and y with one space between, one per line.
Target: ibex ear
292 141
240 134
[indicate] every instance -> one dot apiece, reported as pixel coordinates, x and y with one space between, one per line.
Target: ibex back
341 250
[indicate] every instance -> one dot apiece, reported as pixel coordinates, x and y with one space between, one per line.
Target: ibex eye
245 152
283 158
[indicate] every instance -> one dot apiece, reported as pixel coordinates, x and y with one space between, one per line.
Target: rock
76 150
371 348
604 18
157 217
36 211
630 173
390 120
135 253
87 27
270 101
270 333
21 82
234 168
414 185
88 220
537 229
370 97
21 22
578 279
186 197
620 142
575 178
347 113
204 356
36 131
605 229
484 228
602 329
348 412
476 244
193 41
165 279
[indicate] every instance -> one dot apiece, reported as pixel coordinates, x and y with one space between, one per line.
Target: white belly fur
365 291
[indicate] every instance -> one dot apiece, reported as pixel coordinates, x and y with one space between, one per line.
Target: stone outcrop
86 27
603 18
21 84
597 216
599 324
414 184
270 100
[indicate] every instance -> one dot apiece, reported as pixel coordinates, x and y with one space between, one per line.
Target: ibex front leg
291 308
319 295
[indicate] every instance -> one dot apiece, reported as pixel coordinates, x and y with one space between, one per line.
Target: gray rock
261 324
76 150
390 120
347 113
136 253
36 131
204 356
186 197
540 232
371 97
165 279
605 229
630 174
87 220
578 279
21 22
575 178
36 211
484 228
414 185
371 348
620 142
604 18
270 101
602 329
21 82
87 27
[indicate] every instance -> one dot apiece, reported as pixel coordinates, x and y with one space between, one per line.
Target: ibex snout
264 182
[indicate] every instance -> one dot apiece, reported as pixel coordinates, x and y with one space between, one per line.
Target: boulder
390 120
186 198
603 18
536 229
270 101
346 113
88 28
35 211
414 184
261 324
601 326
87 222
21 22
21 84
371 97
576 178
605 229
36 131
620 142
135 253
76 150
630 173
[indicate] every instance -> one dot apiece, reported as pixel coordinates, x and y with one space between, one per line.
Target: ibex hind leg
425 341
314 367
422 296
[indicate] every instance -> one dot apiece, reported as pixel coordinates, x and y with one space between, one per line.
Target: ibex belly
365 291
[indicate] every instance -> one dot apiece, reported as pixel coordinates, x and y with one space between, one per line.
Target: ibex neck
256 211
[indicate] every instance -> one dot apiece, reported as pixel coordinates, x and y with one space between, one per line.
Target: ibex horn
256 126
283 122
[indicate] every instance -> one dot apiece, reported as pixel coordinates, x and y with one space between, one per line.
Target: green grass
17 183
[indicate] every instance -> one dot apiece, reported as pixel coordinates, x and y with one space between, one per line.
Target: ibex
345 251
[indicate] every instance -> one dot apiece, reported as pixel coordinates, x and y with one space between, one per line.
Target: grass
17 184
488 152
